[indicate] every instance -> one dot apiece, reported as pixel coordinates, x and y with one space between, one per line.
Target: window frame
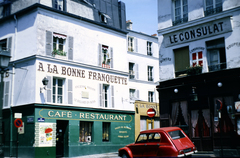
182 19
150 73
198 61
56 87
150 96
216 7
3 42
149 48
89 136
131 44
106 131
57 5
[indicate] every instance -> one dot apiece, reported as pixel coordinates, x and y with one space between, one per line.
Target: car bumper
189 153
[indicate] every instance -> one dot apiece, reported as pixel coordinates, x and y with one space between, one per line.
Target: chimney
154 35
129 25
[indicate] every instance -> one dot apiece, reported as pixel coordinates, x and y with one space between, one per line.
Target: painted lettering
40 67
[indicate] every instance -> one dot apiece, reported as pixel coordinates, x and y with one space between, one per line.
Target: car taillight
180 152
194 148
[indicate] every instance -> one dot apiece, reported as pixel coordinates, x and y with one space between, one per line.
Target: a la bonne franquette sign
74 72
198 32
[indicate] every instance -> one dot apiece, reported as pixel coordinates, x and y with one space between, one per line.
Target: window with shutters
133 71
106 96
150 96
59 4
57 90
180 9
181 61
59 45
212 7
216 54
150 73
149 48
105 56
133 94
132 44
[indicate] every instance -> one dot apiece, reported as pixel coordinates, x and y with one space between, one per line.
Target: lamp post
4 61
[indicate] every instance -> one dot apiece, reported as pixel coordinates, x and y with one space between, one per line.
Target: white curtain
184 111
206 115
174 112
194 120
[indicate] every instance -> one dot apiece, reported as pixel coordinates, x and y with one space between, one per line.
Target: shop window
57 93
150 73
197 59
150 96
105 56
59 4
133 71
212 7
180 8
85 134
227 119
181 62
106 131
149 48
216 55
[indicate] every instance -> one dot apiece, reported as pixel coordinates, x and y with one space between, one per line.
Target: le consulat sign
198 32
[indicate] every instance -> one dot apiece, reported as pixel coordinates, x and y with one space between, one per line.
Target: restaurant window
181 61
150 73
57 93
216 54
180 8
212 7
85 134
227 111
106 131
149 48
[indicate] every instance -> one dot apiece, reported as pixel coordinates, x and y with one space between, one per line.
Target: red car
159 142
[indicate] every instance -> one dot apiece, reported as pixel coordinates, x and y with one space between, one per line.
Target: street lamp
4 61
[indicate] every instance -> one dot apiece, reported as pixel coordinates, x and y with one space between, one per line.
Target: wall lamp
219 84
45 83
176 90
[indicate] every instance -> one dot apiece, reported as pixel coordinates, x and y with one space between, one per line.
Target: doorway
62 138
201 129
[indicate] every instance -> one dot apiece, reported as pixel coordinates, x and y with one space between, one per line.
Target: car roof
166 129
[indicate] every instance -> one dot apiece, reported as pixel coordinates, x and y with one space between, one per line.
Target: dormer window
59 5
104 17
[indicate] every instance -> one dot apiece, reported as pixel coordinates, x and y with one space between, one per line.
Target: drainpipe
12 87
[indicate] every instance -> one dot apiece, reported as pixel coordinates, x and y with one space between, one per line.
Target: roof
166 129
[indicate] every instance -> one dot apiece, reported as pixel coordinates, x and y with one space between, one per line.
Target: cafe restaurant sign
198 32
84 115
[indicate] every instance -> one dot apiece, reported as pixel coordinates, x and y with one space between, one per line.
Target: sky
143 14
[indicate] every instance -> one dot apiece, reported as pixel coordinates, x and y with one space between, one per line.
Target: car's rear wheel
125 155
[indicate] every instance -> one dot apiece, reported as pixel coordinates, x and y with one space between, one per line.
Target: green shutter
181 59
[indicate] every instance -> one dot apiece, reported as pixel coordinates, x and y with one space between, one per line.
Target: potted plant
195 70
59 53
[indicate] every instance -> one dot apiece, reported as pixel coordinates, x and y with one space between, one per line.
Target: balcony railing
217 67
180 21
213 11
150 79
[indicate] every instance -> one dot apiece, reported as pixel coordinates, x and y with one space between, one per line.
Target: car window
154 137
176 134
142 138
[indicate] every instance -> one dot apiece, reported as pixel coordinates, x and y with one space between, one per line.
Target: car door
139 146
152 146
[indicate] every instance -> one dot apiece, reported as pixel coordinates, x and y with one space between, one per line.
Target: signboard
45 134
41 119
219 105
17 115
151 112
21 129
18 122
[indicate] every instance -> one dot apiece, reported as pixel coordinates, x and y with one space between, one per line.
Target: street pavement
115 155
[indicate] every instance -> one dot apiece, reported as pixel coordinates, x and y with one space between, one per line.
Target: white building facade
198 57
79 47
